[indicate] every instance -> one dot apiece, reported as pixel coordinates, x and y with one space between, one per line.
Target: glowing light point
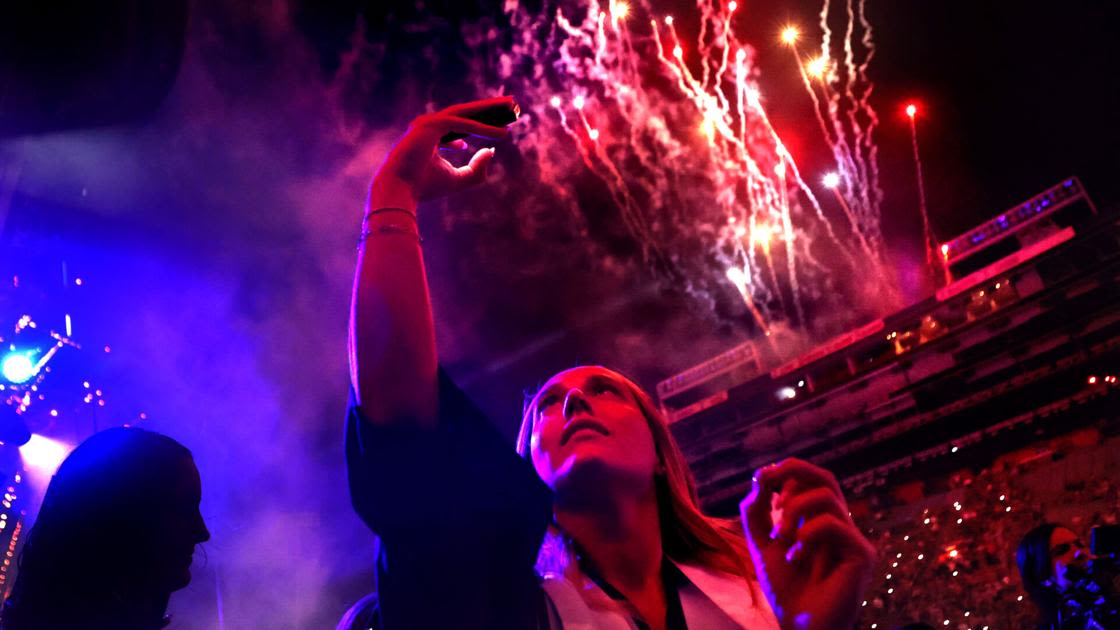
831 180
620 10
668 20
678 52
761 236
817 66
555 101
911 110
708 128
741 55
790 35
731 6
945 250
43 455
18 368
578 102
593 134
786 393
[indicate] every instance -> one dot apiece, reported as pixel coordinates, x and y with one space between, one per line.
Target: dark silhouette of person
114 538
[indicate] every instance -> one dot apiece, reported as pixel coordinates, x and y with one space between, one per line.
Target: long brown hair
687 535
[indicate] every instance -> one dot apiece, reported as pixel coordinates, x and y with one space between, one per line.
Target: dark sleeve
460 516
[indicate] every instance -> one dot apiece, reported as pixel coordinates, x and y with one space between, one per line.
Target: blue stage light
18 367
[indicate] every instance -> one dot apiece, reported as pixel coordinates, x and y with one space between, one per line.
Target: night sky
216 228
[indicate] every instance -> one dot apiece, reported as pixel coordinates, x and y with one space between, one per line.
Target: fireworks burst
676 132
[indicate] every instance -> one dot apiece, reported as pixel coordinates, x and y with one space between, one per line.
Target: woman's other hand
811 558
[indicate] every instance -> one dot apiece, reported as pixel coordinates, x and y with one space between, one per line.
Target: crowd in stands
948 560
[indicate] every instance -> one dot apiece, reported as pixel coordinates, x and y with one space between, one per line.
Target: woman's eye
604 388
546 402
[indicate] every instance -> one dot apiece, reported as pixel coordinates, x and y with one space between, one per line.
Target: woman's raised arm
393 361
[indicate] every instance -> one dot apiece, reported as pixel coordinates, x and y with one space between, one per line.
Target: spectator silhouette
113 539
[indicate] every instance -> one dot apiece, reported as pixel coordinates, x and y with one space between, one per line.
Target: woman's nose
575 401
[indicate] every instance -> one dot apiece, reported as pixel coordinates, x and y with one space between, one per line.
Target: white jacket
712 600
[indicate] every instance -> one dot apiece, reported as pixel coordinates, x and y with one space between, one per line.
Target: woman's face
588 428
182 528
1068 557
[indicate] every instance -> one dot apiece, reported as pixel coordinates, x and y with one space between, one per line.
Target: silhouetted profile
114 538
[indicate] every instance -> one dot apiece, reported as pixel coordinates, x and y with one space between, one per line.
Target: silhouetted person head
114 538
1050 558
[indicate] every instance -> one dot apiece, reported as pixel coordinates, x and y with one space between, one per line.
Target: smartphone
496 116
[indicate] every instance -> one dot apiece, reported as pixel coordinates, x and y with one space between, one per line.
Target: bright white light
817 67
42 455
789 35
753 100
578 102
18 367
831 180
593 134
786 393
678 52
555 101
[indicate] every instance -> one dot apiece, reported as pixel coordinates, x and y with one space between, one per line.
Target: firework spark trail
714 109
683 160
789 164
863 144
787 239
688 85
851 107
872 149
612 178
852 145
927 231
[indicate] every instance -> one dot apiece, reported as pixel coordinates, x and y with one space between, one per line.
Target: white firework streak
853 145
684 151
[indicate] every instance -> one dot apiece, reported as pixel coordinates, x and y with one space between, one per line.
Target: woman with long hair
598 525
113 539
1052 560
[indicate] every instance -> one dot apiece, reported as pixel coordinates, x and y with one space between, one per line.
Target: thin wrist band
410 213
388 229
